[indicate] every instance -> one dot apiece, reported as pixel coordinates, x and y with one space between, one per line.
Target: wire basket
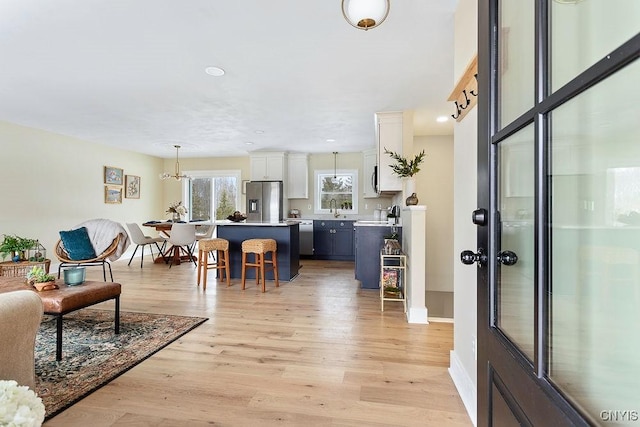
20 269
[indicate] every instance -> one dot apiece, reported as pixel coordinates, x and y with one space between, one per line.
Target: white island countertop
374 223
258 224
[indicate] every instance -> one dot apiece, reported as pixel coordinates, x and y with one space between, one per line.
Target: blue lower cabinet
333 240
369 241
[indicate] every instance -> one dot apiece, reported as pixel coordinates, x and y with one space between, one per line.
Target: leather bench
66 299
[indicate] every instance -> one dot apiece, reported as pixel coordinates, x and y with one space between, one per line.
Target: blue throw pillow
77 244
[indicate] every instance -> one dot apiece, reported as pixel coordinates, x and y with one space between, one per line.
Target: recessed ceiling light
442 119
214 71
259 132
248 143
331 140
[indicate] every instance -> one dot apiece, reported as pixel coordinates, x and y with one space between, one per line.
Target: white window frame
318 193
236 173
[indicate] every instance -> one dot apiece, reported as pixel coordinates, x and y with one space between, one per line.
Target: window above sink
336 190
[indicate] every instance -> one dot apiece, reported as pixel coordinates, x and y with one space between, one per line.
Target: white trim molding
465 386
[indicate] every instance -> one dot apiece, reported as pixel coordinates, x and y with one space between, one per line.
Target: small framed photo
113 176
112 194
131 187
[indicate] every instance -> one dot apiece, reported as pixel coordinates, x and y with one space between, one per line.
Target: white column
414 225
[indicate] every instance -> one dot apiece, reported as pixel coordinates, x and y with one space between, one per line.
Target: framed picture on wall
112 194
113 175
131 187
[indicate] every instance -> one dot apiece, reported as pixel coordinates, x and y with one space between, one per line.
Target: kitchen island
286 234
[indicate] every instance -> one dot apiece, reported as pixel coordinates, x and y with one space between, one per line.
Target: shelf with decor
393 267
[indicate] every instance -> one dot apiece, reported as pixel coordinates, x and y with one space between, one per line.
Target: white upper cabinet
298 179
388 135
369 163
268 166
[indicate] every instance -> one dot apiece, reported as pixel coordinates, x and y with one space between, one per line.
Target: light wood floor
315 352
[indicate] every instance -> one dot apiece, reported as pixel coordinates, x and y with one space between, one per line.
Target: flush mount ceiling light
214 71
177 174
365 14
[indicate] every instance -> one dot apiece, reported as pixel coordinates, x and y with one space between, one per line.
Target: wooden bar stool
206 247
260 247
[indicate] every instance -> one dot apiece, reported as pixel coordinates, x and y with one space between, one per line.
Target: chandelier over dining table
178 175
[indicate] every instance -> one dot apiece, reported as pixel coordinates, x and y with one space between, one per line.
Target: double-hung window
212 195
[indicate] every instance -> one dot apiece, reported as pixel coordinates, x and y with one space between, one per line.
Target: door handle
469 257
507 258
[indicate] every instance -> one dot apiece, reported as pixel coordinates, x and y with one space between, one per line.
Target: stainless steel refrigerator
264 201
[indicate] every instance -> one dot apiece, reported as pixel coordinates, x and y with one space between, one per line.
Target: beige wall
323 161
173 188
344 161
51 182
462 362
434 188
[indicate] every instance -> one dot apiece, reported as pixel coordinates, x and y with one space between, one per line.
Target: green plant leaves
405 168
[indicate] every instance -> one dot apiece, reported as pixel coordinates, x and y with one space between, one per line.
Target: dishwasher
306 237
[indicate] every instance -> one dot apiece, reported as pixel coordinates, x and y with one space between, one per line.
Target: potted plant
405 168
39 279
16 247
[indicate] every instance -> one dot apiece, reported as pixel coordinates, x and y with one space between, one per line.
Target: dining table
164 227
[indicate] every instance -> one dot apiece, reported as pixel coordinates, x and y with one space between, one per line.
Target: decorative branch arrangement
405 168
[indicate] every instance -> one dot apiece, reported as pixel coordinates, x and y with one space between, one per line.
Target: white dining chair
182 239
203 232
139 238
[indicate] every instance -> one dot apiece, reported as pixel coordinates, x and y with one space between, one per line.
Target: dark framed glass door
559 181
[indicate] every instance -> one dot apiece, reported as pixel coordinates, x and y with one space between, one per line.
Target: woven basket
20 269
259 246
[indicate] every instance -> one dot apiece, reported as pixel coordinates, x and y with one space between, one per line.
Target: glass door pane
226 195
200 198
516 287
583 32
595 247
516 55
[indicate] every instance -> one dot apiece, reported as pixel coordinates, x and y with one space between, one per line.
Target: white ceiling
130 74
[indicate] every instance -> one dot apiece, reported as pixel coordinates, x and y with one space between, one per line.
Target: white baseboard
417 315
464 384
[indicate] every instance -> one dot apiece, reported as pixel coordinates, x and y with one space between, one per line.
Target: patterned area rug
93 355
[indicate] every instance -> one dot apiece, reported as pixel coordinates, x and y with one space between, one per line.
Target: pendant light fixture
177 174
335 165
365 14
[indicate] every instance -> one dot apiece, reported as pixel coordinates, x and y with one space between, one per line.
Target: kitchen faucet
334 202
